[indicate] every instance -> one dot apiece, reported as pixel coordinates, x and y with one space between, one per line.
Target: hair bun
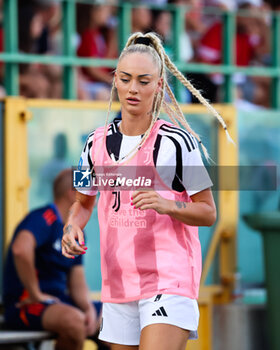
143 40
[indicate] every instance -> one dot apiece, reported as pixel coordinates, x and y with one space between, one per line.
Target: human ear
160 83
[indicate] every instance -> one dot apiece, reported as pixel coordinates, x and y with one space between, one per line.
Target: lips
133 100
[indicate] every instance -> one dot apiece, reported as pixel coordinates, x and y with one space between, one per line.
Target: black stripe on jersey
114 127
190 137
189 143
113 144
156 148
86 143
110 130
89 155
186 133
178 179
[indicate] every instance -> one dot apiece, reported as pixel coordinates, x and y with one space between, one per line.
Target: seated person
43 290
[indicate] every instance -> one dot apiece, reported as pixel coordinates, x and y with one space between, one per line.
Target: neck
134 125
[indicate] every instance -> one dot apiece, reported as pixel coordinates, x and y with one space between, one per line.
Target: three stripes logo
160 312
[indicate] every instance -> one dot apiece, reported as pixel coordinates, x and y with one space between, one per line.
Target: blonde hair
150 43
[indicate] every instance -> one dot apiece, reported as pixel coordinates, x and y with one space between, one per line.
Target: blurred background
56 67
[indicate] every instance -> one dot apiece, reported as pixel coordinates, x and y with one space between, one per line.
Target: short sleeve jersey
51 266
176 156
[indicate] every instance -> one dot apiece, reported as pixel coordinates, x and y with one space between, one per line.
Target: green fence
12 57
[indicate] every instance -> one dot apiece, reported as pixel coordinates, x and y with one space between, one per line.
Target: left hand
42 297
150 200
91 320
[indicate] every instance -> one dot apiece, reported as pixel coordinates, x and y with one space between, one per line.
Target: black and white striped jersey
176 156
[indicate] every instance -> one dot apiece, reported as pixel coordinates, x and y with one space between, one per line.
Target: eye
144 82
124 80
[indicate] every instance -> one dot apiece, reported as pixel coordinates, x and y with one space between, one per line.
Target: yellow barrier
17 114
16 164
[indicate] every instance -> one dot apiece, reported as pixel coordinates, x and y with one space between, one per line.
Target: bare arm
23 249
78 288
80 294
79 215
200 212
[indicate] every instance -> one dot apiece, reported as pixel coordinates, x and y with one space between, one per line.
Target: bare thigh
122 347
63 318
163 337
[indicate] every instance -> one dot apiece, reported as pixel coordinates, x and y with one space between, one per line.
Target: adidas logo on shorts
160 312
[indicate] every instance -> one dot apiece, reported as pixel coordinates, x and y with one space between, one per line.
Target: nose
133 88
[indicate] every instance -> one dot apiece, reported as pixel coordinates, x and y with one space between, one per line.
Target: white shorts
122 323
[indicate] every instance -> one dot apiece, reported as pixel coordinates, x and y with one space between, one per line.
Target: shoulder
178 136
39 218
97 135
89 141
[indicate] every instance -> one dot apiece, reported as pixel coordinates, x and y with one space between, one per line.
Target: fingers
81 237
42 298
135 194
65 253
150 200
23 303
143 198
143 202
148 206
70 247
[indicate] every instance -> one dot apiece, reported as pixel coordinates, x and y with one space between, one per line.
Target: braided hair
150 43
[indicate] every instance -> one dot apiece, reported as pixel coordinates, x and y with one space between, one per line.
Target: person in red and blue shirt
42 288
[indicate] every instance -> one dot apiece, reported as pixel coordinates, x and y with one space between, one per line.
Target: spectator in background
43 289
155 2
248 49
194 26
141 19
37 21
162 25
211 17
98 40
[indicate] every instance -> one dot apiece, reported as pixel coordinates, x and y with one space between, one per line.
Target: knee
74 326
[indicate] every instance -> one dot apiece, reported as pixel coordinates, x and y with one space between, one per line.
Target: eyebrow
141 75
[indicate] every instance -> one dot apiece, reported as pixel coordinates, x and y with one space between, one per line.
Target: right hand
41 297
70 247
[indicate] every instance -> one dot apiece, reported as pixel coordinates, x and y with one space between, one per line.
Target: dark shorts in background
29 317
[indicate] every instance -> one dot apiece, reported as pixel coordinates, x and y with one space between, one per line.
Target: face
163 24
142 18
100 15
137 81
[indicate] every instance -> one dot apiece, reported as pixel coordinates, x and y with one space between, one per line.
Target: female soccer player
150 250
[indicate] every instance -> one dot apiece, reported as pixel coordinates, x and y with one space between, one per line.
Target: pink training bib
143 253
